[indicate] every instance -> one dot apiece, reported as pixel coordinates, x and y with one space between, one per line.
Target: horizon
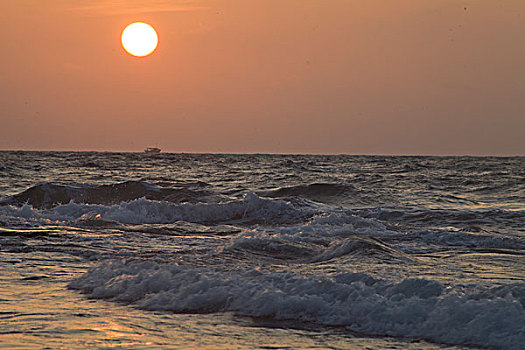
272 154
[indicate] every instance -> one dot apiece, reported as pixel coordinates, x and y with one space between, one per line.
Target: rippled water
261 251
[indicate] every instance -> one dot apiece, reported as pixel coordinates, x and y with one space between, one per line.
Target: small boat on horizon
152 150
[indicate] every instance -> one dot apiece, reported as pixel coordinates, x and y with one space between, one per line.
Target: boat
152 150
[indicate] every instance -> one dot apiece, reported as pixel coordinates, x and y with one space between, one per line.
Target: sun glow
139 39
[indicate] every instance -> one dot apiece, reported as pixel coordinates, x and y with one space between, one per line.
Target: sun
139 39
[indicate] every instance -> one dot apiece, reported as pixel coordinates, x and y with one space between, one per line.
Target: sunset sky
266 76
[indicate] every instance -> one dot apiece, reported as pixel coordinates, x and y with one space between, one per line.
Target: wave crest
409 308
48 195
249 210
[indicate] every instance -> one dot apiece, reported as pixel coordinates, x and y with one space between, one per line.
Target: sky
431 77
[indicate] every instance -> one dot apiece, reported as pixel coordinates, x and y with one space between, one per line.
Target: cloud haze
279 76
116 7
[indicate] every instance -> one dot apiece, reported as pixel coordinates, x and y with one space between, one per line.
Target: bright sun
139 39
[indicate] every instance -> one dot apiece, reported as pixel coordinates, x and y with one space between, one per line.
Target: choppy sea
209 251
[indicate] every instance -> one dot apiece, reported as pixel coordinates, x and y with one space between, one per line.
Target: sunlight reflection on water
42 313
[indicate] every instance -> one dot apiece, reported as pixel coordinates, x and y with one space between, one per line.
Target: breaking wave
250 209
287 226
408 308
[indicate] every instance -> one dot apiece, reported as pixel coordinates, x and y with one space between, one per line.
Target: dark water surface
128 250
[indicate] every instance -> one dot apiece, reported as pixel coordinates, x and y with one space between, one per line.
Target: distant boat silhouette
152 150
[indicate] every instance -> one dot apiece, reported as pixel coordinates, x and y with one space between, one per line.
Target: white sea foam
269 217
409 308
144 211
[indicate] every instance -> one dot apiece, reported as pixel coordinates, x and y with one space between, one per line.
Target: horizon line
274 153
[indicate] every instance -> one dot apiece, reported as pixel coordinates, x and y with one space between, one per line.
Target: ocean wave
278 228
314 190
361 248
284 247
330 193
411 307
447 216
481 224
48 195
249 210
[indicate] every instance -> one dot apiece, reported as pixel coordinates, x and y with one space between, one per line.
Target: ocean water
206 251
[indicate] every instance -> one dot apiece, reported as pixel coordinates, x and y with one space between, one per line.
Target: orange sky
268 76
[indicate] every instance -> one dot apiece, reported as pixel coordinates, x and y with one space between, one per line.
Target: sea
229 251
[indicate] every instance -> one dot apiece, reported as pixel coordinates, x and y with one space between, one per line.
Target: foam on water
408 308
145 211
305 223
411 247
